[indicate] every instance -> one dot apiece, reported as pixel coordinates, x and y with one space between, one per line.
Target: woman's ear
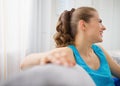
82 24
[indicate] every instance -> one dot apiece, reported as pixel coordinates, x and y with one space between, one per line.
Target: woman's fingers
65 61
44 61
59 58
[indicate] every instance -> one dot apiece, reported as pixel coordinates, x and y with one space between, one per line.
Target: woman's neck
83 46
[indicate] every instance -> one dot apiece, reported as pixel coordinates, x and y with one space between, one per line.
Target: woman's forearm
31 60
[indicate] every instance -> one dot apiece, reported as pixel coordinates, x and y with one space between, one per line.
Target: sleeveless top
102 76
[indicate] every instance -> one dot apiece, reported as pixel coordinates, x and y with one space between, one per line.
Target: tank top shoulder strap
76 55
99 52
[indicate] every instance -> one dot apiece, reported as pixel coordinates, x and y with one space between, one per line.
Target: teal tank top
102 76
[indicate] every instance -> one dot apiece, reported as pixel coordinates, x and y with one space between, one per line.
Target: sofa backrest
51 75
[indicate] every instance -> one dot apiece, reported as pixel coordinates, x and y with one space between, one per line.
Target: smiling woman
27 26
77 31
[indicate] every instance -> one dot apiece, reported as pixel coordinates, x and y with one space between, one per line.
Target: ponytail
63 36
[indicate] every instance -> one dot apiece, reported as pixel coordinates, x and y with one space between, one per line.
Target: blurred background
27 26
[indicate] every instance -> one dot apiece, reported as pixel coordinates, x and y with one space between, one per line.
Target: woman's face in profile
95 28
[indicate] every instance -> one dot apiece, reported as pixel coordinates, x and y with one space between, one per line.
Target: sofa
51 75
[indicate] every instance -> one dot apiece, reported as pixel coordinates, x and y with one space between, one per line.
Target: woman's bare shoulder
62 51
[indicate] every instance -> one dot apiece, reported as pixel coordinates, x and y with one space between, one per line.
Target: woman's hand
60 56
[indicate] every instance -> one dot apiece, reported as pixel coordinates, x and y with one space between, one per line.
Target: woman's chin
101 40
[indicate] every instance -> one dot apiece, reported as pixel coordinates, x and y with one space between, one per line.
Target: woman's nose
103 27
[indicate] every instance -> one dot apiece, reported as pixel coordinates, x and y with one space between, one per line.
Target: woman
77 32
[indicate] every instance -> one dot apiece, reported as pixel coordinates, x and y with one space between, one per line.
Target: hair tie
72 10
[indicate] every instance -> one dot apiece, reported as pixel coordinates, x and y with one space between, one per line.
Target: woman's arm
31 60
114 66
60 56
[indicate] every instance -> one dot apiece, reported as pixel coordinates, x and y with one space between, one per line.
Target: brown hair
67 25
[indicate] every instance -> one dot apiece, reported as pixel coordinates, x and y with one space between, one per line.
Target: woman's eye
100 21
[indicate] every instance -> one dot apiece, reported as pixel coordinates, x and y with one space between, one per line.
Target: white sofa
51 75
